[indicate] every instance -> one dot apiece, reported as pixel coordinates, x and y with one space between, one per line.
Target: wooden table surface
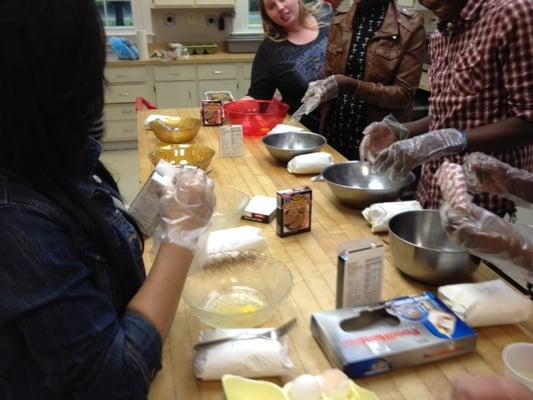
312 259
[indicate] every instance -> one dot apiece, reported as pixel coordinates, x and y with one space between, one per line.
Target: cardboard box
293 212
260 209
401 332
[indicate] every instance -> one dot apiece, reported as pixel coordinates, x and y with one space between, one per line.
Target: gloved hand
319 92
380 135
401 157
471 387
486 235
186 208
488 174
452 183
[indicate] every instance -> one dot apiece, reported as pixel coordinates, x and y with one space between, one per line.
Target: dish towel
311 163
281 128
379 214
487 303
252 358
232 239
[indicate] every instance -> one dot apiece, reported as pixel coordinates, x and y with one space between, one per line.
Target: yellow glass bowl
176 130
183 154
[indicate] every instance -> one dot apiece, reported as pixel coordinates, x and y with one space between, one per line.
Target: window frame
240 21
142 20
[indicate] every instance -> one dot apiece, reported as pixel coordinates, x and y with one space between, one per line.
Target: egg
305 387
335 385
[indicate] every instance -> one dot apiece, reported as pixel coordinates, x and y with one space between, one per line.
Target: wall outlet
170 19
211 20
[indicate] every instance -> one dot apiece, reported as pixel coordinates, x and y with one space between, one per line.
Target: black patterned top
347 116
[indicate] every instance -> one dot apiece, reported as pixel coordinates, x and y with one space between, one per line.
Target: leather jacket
393 66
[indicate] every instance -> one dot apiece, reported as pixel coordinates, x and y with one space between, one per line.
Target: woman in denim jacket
78 317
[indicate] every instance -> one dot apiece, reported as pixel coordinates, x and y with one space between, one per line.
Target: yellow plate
184 154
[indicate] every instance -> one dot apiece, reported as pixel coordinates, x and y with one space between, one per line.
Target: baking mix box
293 210
380 337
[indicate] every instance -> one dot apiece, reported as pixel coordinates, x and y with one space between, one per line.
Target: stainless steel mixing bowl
284 146
421 249
356 185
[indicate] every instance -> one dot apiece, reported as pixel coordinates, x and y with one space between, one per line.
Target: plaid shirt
481 73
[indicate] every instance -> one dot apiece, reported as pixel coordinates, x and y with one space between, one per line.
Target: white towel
379 214
281 128
253 358
311 163
487 303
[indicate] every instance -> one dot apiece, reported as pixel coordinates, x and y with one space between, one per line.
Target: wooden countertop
312 259
219 57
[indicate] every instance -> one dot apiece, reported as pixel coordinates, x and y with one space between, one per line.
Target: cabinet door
176 94
215 3
246 78
172 3
218 84
120 130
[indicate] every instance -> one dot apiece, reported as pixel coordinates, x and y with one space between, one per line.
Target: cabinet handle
174 73
122 75
128 130
127 111
124 94
217 72
190 95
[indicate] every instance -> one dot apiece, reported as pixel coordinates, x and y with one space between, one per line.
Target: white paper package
487 303
252 358
233 239
311 163
378 215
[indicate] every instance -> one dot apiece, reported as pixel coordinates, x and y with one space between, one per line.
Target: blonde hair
276 33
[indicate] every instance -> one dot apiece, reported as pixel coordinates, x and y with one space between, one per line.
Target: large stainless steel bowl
421 249
286 145
354 184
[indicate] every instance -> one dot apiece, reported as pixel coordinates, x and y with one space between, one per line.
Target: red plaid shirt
481 73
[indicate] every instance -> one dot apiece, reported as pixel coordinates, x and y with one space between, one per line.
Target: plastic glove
452 183
401 157
488 174
486 235
379 135
186 208
319 92
471 387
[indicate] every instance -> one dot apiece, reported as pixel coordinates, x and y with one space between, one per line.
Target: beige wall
187 31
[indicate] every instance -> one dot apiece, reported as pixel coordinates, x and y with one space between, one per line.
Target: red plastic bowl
257 117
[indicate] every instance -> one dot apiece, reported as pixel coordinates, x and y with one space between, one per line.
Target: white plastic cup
518 362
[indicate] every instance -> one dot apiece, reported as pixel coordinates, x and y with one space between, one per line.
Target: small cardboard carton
380 337
293 212
260 209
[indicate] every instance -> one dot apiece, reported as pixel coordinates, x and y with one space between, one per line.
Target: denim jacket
64 329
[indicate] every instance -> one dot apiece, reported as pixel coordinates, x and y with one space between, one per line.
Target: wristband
404 132
465 138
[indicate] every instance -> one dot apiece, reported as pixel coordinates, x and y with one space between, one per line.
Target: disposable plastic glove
380 135
186 208
471 387
452 182
401 157
319 92
486 235
488 174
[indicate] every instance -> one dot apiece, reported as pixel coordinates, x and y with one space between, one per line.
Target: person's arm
405 82
419 126
262 85
509 132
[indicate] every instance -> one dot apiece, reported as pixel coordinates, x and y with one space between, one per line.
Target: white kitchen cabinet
176 94
125 84
175 86
246 78
219 77
193 3
222 84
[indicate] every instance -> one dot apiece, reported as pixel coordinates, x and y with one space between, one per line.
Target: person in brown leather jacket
373 67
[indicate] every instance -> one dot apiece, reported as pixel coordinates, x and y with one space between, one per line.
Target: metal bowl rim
297 132
409 180
441 251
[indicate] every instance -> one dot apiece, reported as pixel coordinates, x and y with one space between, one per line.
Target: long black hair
52 58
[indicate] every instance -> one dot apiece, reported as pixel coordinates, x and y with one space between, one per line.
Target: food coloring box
293 210
380 337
